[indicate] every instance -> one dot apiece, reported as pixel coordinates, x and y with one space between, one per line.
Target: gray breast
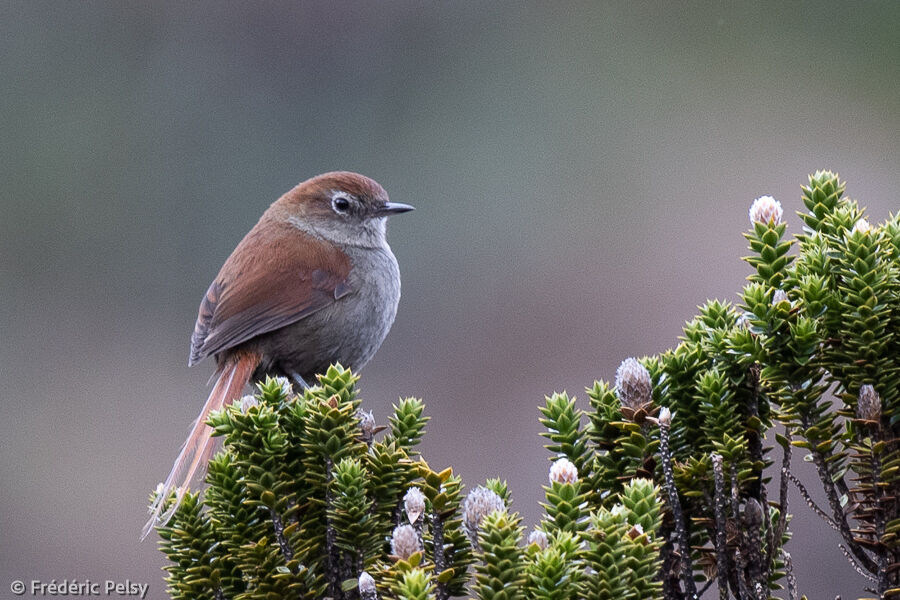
349 331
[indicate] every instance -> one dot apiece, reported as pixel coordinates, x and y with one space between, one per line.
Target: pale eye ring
340 204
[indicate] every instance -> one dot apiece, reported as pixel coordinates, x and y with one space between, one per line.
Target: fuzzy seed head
414 504
478 504
404 542
766 210
563 471
665 416
540 538
633 384
862 226
366 584
868 406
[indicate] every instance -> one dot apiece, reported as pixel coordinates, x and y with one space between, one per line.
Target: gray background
582 174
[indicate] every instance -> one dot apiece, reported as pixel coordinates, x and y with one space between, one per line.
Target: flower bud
665 416
540 538
247 402
862 225
633 384
414 504
779 296
366 425
753 513
766 210
286 386
868 407
404 542
366 585
563 471
478 504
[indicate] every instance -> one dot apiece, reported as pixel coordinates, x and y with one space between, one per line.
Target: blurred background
582 174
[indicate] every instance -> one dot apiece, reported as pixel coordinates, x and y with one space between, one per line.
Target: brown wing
268 282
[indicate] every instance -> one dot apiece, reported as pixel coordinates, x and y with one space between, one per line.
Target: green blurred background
582 174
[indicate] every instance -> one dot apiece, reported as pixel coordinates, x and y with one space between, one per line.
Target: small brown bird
313 283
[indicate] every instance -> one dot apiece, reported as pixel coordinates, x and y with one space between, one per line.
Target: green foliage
408 423
446 542
651 494
621 551
499 575
416 585
563 423
192 574
297 504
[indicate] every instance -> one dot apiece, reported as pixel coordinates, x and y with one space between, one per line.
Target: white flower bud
563 471
633 384
286 386
868 406
366 425
414 504
753 513
404 542
779 296
478 504
247 402
540 538
665 416
366 585
766 209
863 226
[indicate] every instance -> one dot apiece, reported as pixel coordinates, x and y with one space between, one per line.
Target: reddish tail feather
232 377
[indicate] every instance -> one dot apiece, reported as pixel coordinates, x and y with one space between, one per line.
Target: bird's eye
340 204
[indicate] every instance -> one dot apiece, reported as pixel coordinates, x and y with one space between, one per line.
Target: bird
313 283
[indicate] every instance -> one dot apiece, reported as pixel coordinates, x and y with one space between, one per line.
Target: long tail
232 377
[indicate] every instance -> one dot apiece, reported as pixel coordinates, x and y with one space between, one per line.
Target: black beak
394 208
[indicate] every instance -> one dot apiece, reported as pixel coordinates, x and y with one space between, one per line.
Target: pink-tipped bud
563 471
539 538
868 406
665 416
414 504
633 384
766 210
862 226
404 542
